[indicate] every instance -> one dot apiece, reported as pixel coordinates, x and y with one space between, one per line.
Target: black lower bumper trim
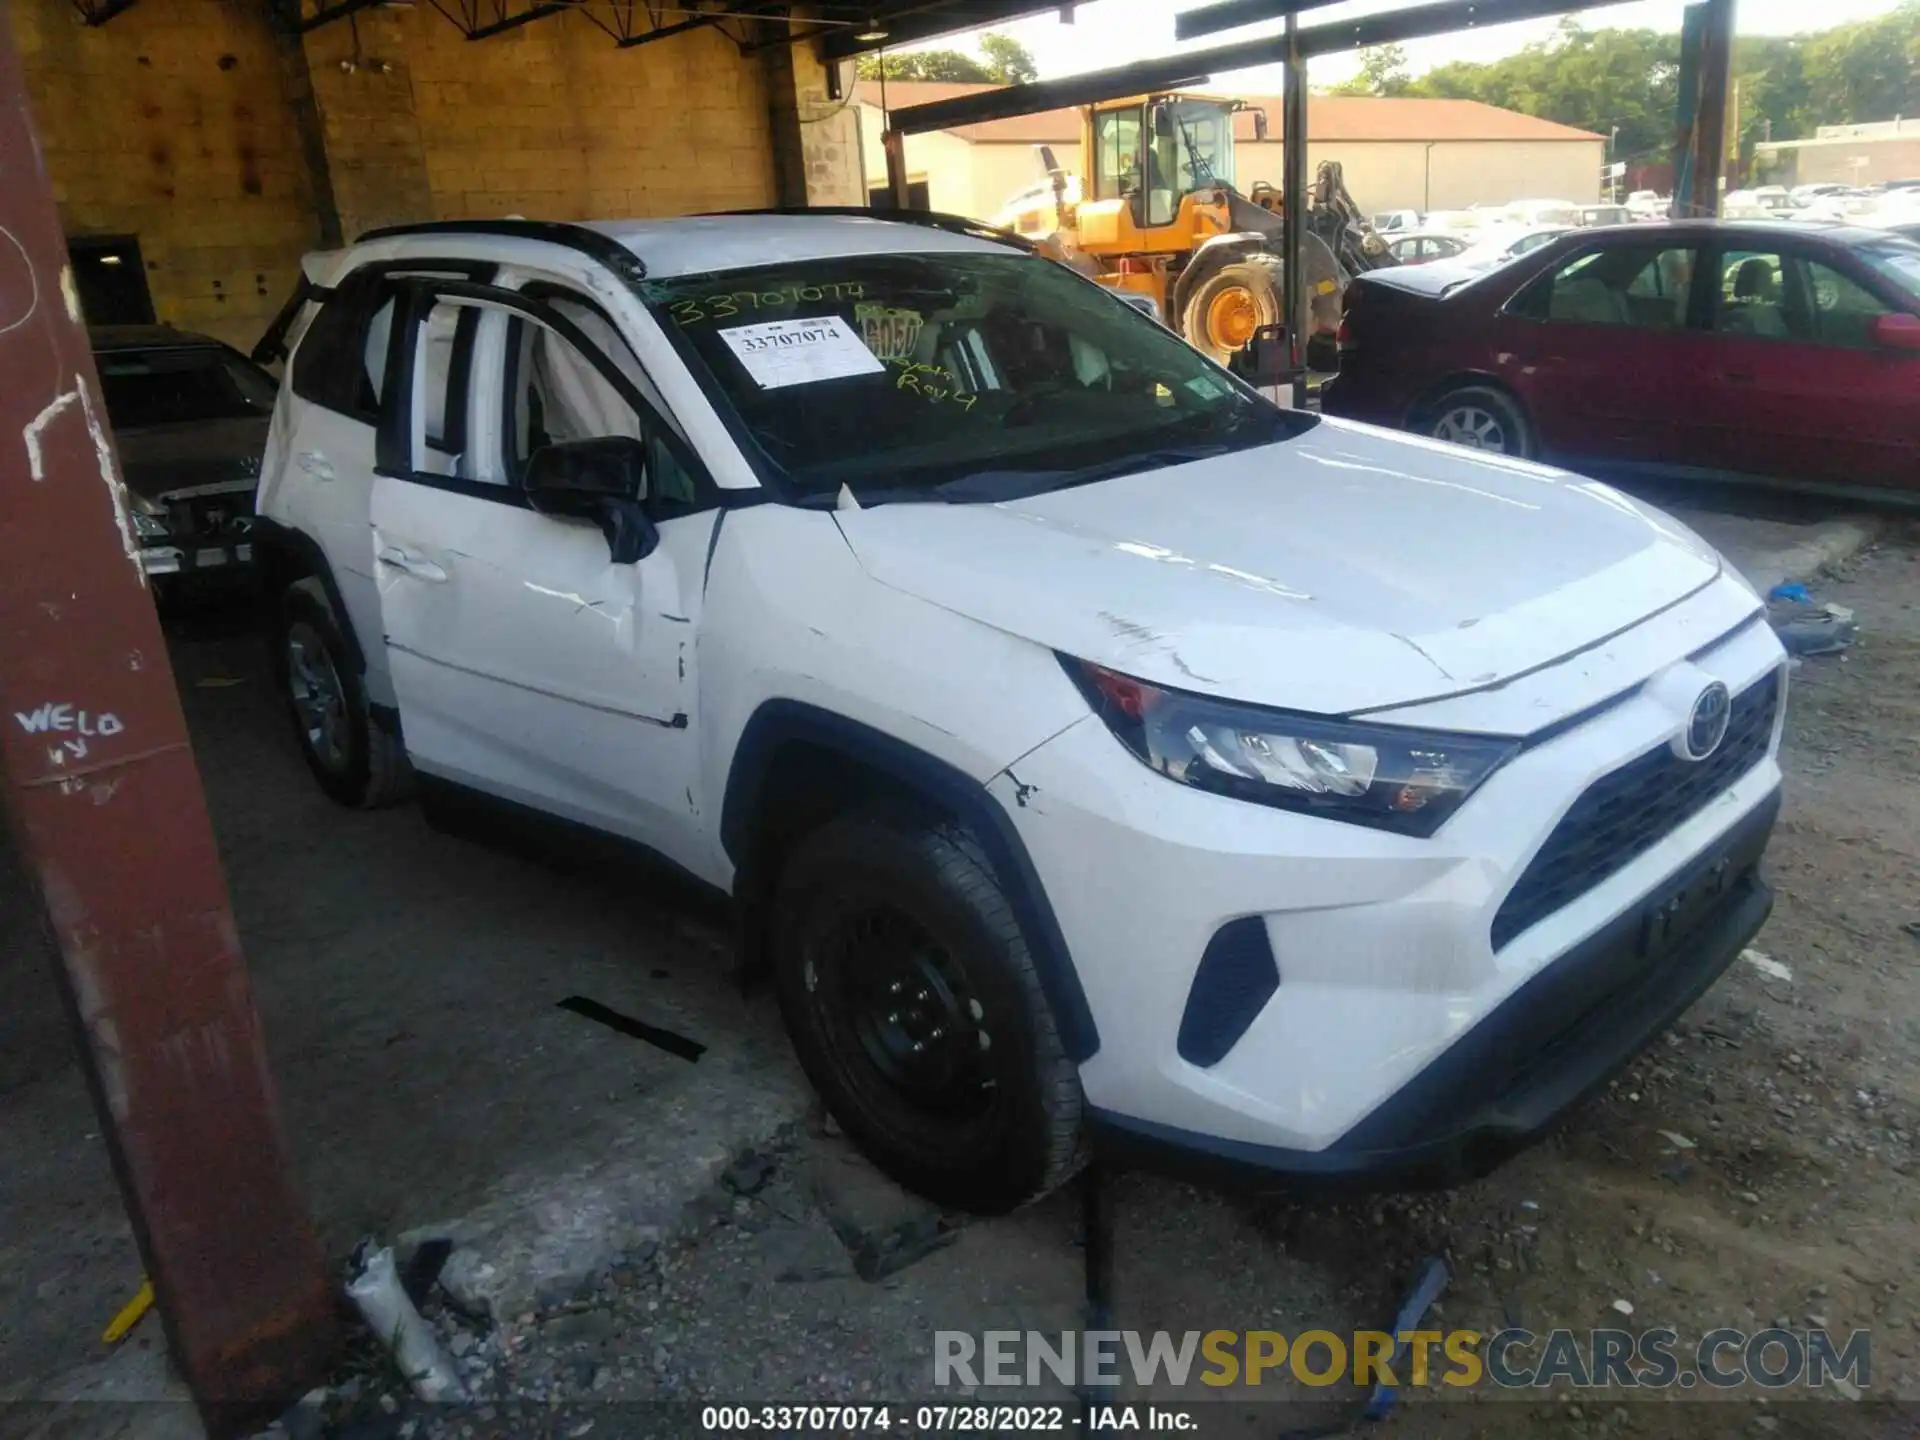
1500 1087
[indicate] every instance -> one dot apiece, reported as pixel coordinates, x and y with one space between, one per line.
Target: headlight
149 521
1407 781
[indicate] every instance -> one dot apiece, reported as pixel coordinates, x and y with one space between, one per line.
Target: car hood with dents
162 460
1344 570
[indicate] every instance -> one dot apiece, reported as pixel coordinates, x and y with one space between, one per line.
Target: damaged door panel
533 657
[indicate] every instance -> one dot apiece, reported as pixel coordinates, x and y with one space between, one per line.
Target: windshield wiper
991 486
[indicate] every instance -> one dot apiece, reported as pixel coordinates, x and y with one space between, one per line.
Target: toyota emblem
1707 725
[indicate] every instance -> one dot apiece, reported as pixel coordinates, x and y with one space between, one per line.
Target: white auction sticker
799 352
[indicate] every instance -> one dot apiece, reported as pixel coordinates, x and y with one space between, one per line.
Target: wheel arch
1209 257
1433 394
796 766
284 555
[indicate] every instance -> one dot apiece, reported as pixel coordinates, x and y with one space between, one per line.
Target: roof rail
591 243
934 219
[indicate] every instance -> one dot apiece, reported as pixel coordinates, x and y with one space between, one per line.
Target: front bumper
211 559
1501 1087
1402 1038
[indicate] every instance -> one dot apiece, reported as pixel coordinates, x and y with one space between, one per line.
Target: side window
555 393
1637 286
1116 153
1752 296
443 380
341 360
330 366
1843 313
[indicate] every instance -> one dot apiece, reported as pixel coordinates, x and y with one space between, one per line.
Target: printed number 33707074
788 339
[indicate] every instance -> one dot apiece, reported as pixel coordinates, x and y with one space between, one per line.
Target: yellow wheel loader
1155 213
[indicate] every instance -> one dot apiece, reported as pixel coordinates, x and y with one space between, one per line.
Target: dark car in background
190 418
1764 350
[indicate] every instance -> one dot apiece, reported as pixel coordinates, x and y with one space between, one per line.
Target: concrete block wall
229 149
170 124
550 120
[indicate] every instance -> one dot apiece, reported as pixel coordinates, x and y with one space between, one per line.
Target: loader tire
1228 306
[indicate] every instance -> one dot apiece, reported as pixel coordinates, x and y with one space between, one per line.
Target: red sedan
1773 351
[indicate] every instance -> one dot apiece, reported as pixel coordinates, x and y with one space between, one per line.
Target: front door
1797 386
526 662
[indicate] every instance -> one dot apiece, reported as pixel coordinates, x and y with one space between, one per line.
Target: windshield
1199 143
898 374
181 386
1899 263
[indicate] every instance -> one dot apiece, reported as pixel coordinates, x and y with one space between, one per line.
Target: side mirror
1898 332
603 480
1260 122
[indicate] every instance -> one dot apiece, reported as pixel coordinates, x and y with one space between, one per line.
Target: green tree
1598 80
925 65
1009 62
1869 70
1383 71
1006 62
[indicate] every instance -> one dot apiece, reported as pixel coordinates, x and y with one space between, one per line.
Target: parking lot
1754 1167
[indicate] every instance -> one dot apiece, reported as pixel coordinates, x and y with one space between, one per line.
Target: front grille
205 516
1623 815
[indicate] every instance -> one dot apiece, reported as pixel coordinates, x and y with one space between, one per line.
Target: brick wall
551 120
171 124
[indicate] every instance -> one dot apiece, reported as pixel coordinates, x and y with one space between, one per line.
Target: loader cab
1150 153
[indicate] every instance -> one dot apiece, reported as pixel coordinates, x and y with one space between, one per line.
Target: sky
1113 32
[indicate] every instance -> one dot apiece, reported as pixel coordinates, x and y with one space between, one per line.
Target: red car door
1601 350
1800 386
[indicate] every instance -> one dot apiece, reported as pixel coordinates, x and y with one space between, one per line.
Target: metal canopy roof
837 25
1196 67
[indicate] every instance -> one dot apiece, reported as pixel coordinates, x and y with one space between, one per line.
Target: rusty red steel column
106 809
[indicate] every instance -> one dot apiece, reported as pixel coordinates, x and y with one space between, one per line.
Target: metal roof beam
1196 67
294 14
1420 21
99 12
514 22
911 23
1232 14
1168 73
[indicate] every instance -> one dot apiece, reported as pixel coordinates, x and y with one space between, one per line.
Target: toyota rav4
1092 749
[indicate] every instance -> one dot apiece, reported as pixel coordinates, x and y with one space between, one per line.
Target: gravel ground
1753 1168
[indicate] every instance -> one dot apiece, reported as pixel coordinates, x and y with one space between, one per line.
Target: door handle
409 563
1739 377
315 464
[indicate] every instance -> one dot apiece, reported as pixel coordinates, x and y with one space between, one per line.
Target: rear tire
1228 306
1479 417
352 753
916 1012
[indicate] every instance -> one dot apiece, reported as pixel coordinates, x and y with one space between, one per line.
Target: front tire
1481 418
914 1007
355 757
1230 306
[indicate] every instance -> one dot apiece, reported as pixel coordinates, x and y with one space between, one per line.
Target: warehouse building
1870 154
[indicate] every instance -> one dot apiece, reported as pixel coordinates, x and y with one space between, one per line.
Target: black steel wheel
914 1007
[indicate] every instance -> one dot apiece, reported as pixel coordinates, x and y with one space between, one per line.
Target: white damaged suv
1093 750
